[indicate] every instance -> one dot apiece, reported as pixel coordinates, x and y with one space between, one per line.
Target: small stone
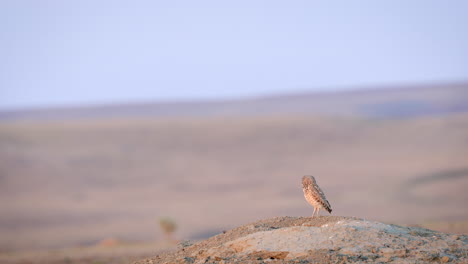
186 243
400 252
373 256
264 254
431 256
445 259
386 259
387 251
189 260
348 251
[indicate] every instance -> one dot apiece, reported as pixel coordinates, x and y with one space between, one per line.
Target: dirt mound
321 240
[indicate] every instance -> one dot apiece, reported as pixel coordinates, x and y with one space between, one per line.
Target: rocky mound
322 239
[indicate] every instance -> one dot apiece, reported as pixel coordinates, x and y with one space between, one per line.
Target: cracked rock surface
322 240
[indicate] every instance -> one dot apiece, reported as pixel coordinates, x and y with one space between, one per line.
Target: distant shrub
168 226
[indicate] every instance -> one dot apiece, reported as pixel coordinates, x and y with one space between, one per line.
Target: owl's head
308 180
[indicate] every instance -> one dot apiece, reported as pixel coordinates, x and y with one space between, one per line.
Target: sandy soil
121 253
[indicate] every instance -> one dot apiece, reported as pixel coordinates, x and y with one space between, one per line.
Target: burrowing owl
314 195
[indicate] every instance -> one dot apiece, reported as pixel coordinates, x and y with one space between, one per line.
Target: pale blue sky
87 52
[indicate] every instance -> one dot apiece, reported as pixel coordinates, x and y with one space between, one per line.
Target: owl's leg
313 212
318 211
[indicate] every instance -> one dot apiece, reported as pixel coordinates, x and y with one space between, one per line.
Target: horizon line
259 96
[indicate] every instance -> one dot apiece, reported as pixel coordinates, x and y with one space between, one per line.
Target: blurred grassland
68 183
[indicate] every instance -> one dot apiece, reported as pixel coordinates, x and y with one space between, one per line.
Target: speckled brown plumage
314 195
